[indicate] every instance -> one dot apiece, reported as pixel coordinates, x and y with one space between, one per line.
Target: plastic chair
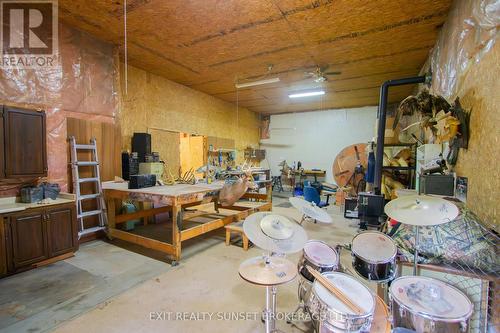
312 195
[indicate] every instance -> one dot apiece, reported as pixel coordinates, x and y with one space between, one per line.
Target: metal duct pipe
381 115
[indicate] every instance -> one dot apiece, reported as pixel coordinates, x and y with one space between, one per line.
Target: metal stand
270 311
415 256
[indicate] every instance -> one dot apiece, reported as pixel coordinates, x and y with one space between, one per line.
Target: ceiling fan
320 74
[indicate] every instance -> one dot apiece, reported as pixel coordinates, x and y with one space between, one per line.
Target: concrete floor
140 293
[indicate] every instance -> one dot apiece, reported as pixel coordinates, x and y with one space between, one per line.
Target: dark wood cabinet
39 234
29 241
24 143
2 155
61 230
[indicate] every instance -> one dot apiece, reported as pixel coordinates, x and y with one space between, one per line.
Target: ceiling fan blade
322 69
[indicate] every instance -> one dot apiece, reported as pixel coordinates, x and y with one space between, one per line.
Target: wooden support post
176 233
110 202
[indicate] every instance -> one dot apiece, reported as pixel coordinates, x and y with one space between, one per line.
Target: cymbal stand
415 255
271 300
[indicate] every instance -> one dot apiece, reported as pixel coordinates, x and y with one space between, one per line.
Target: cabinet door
2 157
29 242
61 230
25 147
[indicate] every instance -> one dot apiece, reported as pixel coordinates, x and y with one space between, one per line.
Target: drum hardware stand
415 255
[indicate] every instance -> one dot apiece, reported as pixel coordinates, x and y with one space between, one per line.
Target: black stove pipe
381 115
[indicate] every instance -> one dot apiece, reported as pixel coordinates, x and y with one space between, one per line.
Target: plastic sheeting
82 85
470 31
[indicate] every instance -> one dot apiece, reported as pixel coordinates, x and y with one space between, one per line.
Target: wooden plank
142 213
54 259
142 241
257 196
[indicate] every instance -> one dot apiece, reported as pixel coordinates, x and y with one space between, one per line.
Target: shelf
399 145
398 168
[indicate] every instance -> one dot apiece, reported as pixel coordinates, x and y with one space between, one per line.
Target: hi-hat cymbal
421 210
268 271
255 233
277 226
310 210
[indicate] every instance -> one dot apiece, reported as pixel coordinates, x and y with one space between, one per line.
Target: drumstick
334 290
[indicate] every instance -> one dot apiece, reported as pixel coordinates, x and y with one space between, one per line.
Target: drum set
339 302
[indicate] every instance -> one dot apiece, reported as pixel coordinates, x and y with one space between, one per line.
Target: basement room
316 166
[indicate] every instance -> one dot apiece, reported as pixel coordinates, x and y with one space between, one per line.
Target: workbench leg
176 233
110 203
228 237
245 242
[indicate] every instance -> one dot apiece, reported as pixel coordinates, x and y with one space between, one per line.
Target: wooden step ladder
95 178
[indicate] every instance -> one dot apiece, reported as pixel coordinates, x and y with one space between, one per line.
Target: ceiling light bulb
307 94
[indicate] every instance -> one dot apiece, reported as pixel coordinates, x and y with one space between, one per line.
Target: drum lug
463 326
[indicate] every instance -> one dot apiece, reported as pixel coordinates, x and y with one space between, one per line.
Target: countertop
13 204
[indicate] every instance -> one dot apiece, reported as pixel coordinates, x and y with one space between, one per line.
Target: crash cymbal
421 210
317 214
277 226
310 210
299 203
268 271
255 233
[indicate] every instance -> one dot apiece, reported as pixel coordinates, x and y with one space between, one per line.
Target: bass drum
429 305
374 256
332 315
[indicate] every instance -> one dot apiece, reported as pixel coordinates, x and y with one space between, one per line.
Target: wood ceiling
209 44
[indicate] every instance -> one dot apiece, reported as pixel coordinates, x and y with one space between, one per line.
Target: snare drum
319 256
374 256
426 305
332 315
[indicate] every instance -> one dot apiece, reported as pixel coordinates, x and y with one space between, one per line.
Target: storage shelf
398 167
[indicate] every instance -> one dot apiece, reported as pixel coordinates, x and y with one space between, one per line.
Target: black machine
141 143
370 209
141 181
130 165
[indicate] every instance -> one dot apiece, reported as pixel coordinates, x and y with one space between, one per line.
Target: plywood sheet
211 44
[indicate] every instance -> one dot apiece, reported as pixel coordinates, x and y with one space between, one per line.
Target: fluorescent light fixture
256 83
307 94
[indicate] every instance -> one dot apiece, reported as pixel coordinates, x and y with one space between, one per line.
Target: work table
14 204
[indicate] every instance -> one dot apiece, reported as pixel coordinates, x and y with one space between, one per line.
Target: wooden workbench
175 199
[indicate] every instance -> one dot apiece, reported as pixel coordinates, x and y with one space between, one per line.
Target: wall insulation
153 102
464 64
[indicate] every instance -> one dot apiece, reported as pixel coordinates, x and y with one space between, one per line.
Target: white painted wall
316 137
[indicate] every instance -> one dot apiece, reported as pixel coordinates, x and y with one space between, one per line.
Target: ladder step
90 230
85 163
89 196
84 146
88 180
90 213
